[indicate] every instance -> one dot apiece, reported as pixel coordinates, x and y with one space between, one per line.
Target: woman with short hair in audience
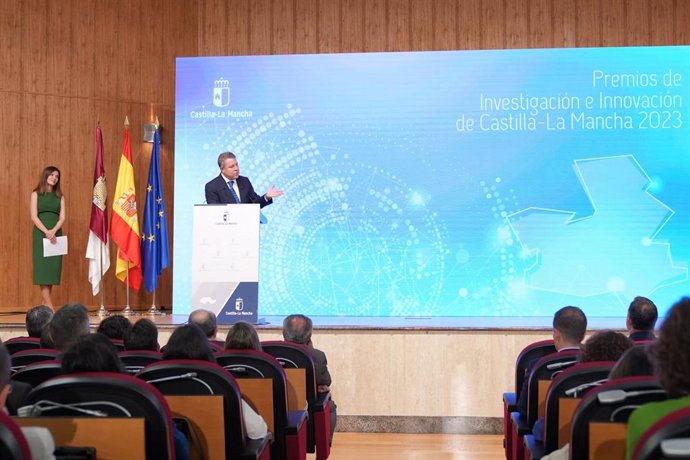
91 353
190 342
96 353
242 336
671 353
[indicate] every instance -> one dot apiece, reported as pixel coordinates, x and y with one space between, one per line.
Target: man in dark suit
298 329
569 328
642 316
229 187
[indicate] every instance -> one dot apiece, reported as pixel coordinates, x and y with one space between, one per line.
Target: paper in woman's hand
57 249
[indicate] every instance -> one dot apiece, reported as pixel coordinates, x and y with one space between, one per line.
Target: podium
225 261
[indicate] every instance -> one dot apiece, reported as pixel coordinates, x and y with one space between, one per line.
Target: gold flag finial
126 121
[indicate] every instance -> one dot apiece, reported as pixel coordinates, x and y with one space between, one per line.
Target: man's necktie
232 191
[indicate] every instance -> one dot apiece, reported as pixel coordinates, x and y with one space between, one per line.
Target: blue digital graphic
492 183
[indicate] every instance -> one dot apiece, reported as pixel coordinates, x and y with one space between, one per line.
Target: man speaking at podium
231 188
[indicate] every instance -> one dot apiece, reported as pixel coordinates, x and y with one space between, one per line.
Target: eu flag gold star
152 238
149 188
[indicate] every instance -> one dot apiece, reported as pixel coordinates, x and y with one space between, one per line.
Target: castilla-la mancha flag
124 224
97 250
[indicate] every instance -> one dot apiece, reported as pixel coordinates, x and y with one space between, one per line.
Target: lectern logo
221 92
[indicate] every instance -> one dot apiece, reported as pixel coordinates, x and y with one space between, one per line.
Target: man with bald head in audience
298 329
206 320
642 316
569 328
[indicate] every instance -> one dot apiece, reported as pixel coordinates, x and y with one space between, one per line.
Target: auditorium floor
399 446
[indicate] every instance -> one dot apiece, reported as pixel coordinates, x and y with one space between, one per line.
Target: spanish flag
124 224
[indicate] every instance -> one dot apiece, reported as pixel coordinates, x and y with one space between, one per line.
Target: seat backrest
119 344
294 356
528 354
541 375
250 364
26 357
37 373
13 444
187 377
111 395
16 344
604 411
673 425
136 360
563 396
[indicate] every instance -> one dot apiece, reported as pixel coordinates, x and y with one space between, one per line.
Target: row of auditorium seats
581 407
280 383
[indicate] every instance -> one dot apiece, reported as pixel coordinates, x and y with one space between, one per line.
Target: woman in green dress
48 215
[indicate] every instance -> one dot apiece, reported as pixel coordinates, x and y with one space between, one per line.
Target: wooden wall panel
214 16
540 23
328 26
260 27
84 58
283 27
637 22
375 21
517 24
564 24
446 25
34 45
107 50
398 26
15 197
68 63
470 25
237 37
493 31
11 49
588 32
306 26
660 18
421 26
352 16
613 23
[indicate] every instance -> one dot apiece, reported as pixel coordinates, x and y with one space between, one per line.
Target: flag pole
128 310
101 310
153 310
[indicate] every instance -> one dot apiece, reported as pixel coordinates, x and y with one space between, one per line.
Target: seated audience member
671 354
190 342
642 316
40 440
114 327
569 327
298 329
601 346
70 322
91 353
143 335
96 353
47 338
633 362
207 321
36 320
604 346
242 336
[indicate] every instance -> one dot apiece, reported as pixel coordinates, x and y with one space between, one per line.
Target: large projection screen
461 183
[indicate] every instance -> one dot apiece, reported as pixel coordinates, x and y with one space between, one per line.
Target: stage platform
449 323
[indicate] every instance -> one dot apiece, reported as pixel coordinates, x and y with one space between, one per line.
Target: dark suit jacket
217 192
642 336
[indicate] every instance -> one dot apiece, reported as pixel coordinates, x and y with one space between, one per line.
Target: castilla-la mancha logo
221 92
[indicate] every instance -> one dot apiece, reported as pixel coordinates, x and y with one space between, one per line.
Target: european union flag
154 237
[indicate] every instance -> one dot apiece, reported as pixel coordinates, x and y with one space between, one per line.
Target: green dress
46 269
